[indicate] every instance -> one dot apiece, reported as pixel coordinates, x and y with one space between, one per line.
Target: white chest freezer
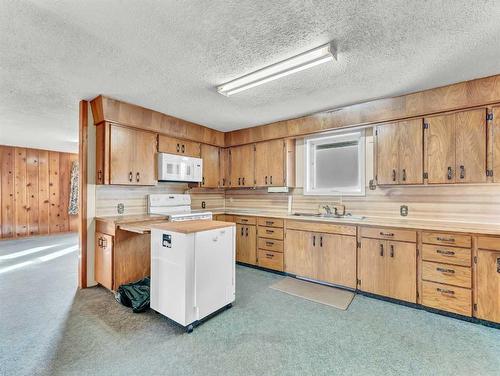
192 269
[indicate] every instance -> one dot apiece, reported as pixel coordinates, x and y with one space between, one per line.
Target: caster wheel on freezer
190 328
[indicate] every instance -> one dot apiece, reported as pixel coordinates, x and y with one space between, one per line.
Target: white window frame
312 142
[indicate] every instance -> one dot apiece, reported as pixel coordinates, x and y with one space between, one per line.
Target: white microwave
173 167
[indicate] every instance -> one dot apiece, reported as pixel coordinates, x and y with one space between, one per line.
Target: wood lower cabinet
103 261
388 268
242 160
125 156
400 152
487 270
246 244
456 147
210 157
321 256
270 235
178 146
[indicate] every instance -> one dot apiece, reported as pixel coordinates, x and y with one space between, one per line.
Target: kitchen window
335 164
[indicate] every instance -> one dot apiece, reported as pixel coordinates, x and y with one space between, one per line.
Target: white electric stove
177 207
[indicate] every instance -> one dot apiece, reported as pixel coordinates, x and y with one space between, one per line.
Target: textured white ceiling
170 55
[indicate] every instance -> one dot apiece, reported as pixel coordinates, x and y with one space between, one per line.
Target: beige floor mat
315 292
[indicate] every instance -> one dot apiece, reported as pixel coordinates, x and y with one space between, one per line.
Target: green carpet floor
49 328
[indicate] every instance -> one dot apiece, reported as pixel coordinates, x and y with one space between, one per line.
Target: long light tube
305 60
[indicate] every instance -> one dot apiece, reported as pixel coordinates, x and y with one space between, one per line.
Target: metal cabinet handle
386 233
321 241
269 255
393 175
445 291
443 270
104 243
498 265
242 231
239 181
243 181
183 148
445 253
269 231
404 174
265 179
178 148
203 180
137 177
392 250
449 240
462 172
269 223
246 232
223 181
271 180
450 173
314 240
99 175
243 220
130 176
381 249
99 242
269 243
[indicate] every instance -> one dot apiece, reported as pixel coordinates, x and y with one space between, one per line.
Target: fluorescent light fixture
308 59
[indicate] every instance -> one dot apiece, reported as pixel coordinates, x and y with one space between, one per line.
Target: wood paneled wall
35 187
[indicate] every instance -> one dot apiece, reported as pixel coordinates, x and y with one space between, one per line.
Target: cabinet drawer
448 255
488 242
447 298
389 233
270 222
327 228
245 220
270 232
449 274
446 239
270 259
271 244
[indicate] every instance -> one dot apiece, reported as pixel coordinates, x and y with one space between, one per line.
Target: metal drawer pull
393 175
314 240
386 233
269 231
246 232
450 173
269 243
239 181
271 180
451 240
242 231
269 223
392 250
321 241
130 176
183 148
266 180
444 291
445 253
243 220
442 270
137 177
462 172
269 255
178 148
381 249
404 174
243 181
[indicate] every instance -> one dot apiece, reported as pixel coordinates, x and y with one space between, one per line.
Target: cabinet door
440 140
299 253
270 163
242 166
173 145
496 144
335 259
210 156
411 151
387 154
488 285
470 129
122 155
246 244
224 171
145 158
104 260
372 267
402 271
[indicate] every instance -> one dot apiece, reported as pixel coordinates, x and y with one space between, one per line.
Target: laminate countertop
188 227
408 223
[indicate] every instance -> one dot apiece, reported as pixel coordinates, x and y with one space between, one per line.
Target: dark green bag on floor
135 295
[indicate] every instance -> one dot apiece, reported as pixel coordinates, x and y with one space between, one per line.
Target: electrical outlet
403 210
120 208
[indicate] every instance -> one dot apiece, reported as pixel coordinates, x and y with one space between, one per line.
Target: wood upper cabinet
270 163
495 132
388 268
173 145
298 253
456 147
246 244
224 169
210 157
399 152
125 155
242 159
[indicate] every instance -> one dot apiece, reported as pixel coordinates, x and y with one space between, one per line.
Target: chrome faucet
328 210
